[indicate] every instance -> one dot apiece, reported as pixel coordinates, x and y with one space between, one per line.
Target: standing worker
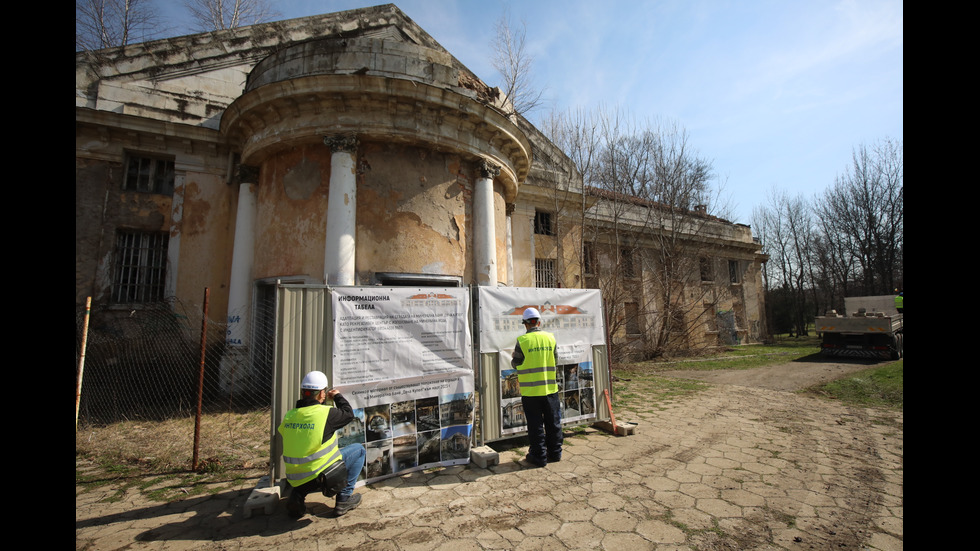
535 358
309 442
899 298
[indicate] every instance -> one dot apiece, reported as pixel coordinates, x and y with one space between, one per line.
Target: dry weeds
232 447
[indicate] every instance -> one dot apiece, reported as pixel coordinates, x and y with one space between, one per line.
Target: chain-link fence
146 363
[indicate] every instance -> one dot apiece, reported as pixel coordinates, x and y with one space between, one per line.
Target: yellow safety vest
898 301
537 374
303 449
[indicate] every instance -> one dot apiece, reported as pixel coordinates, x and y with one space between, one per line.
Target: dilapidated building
348 149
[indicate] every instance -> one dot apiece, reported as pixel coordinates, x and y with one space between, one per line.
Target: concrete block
484 456
623 428
263 497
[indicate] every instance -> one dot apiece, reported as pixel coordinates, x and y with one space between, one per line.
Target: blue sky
776 93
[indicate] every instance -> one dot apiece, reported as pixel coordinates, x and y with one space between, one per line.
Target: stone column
234 363
339 249
510 243
484 229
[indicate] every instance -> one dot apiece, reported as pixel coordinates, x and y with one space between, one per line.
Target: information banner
574 316
403 357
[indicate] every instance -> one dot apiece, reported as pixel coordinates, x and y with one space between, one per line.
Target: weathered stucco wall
197 215
413 212
290 224
206 234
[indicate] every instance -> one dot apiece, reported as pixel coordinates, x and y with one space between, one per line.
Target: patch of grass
638 384
643 390
739 357
881 386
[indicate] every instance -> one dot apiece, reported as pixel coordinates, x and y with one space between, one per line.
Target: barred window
544 273
149 175
627 263
140 269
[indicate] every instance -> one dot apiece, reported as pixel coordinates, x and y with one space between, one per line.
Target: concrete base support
623 428
263 497
484 456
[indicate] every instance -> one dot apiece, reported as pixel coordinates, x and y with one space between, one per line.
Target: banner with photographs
403 358
574 316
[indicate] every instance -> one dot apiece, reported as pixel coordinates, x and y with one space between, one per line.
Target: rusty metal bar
200 380
81 359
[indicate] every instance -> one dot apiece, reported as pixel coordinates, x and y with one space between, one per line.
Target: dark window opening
149 175
543 223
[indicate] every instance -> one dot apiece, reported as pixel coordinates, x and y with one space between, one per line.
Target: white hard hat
314 380
531 313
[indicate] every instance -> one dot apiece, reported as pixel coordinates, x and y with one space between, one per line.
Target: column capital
347 143
487 169
509 208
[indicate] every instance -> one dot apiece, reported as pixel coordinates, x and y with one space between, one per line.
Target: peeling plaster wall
201 227
414 212
206 236
102 207
290 220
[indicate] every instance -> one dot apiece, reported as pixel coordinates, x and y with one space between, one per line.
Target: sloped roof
191 79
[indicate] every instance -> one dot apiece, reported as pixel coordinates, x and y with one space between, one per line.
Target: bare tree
786 227
864 211
216 15
645 202
848 241
110 23
512 60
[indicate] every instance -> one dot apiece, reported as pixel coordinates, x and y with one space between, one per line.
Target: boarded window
632 320
140 266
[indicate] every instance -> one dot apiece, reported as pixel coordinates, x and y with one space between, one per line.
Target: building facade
346 149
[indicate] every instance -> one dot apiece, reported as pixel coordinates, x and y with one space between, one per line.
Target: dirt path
744 464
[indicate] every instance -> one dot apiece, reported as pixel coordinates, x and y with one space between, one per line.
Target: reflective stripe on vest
304 452
537 375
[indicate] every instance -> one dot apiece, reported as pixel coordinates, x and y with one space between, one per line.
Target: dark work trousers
543 414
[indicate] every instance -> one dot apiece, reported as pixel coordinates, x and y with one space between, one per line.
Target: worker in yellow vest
309 448
535 358
899 300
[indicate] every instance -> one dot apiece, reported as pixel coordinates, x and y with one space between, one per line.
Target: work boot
342 506
295 506
537 463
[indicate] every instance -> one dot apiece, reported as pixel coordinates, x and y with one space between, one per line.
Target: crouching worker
314 463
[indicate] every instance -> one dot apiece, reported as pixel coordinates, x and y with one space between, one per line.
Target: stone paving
728 468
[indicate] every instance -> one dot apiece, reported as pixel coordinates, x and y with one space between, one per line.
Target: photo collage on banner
574 317
402 356
575 390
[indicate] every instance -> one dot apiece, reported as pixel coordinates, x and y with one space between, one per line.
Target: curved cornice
400 93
